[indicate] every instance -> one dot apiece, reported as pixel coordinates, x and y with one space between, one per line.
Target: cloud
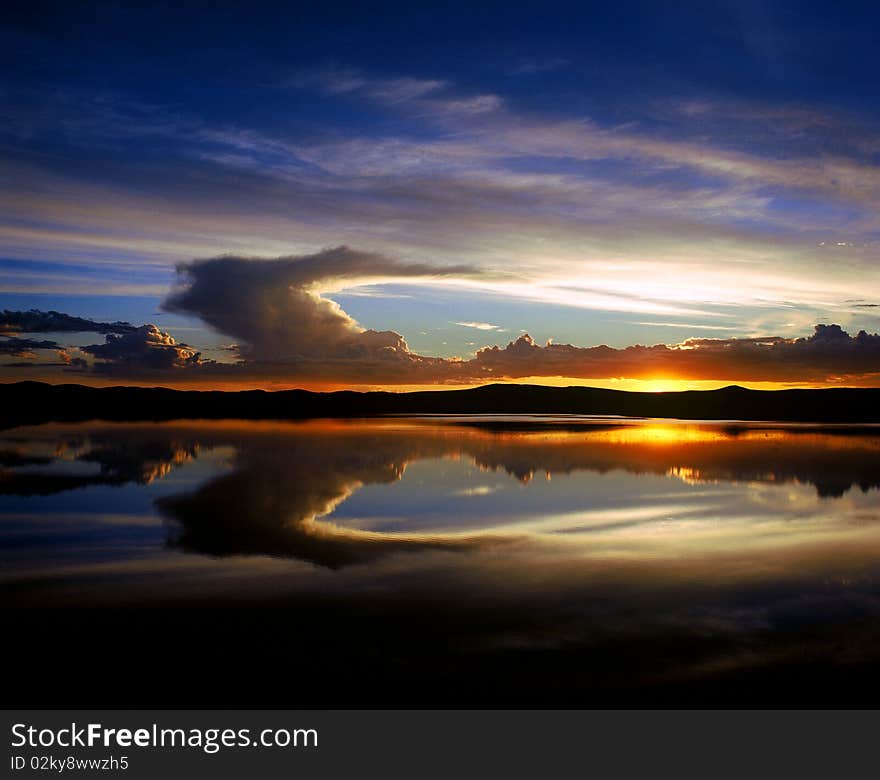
553 197
827 354
430 97
479 490
284 330
274 308
145 349
25 347
478 325
478 104
36 321
26 351
347 81
401 90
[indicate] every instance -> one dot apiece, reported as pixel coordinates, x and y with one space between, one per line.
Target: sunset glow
465 365
545 205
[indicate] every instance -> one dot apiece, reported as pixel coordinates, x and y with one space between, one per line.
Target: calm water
494 561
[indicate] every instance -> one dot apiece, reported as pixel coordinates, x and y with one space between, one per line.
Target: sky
634 195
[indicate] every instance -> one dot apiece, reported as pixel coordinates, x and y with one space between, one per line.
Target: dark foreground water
489 561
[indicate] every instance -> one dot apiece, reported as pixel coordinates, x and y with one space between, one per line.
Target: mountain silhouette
35 402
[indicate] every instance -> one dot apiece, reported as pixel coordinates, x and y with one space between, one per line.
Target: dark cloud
66 359
274 307
830 352
145 349
25 347
36 321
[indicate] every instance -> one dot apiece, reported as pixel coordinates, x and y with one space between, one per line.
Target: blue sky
626 173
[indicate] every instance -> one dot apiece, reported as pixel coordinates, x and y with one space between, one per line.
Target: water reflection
663 553
280 496
117 463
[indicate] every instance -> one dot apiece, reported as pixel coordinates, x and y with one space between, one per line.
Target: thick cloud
829 353
36 321
273 308
25 347
145 349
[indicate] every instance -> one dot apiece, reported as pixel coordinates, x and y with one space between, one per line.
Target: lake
493 561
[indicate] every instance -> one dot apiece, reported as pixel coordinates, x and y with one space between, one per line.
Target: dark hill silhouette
34 402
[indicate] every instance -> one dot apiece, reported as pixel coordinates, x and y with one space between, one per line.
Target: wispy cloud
478 490
574 211
686 325
478 325
350 81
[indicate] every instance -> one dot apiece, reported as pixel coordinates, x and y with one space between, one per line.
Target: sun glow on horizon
654 385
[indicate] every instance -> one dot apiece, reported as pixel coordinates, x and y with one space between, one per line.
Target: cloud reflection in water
661 552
